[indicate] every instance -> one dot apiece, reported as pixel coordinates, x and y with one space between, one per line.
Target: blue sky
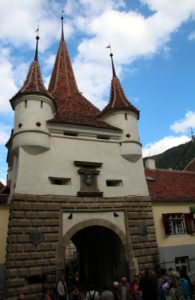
153 42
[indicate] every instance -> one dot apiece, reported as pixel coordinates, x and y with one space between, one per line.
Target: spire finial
37 44
62 20
112 61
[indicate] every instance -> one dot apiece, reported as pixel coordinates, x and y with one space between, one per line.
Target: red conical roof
118 99
72 107
34 82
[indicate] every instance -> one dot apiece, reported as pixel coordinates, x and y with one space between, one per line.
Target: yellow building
173 201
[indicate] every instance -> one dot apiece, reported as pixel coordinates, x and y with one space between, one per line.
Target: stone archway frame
96 222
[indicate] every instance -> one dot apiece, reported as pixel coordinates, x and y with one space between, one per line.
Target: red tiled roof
83 120
72 107
171 185
62 80
34 82
118 99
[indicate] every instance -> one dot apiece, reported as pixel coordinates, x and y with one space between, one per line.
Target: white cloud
19 20
164 144
191 36
132 35
7 83
4 133
184 125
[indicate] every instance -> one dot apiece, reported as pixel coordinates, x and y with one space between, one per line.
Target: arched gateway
75 173
102 251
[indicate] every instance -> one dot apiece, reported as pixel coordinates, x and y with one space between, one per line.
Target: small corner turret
33 105
121 113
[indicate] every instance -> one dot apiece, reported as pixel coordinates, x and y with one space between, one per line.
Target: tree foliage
176 158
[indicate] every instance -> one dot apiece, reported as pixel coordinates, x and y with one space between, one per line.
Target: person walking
184 285
115 290
135 291
148 286
62 291
124 289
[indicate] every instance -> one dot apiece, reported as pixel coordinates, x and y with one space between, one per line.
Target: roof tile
171 185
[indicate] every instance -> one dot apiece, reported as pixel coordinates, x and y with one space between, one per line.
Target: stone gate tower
76 174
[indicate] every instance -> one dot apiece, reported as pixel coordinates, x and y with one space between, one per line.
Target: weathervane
62 14
112 61
37 30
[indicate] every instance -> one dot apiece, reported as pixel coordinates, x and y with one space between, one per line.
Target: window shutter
189 222
166 223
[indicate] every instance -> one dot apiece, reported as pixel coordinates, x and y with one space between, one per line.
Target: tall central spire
72 106
62 83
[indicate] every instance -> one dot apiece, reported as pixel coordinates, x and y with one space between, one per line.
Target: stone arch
94 222
98 263
84 224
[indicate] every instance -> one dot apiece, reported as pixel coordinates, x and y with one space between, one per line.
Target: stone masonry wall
28 212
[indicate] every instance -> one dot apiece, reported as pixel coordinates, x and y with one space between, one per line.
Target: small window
178 223
60 181
103 137
70 133
182 263
126 117
25 103
114 182
41 104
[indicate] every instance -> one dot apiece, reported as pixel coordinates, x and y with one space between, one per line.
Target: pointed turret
118 99
33 105
62 80
72 107
121 113
34 82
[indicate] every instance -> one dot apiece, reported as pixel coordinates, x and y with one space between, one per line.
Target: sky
153 42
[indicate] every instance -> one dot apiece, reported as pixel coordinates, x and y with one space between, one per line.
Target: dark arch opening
101 256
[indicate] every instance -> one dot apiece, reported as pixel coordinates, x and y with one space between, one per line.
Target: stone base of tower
128 221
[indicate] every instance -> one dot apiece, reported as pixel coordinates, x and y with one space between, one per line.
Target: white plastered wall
34 169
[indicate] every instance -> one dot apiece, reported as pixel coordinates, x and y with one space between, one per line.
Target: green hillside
177 157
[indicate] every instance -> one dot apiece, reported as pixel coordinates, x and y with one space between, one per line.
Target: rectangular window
103 137
60 181
114 182
178 223
70 133
182 263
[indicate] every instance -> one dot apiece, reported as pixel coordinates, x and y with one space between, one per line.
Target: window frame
172 225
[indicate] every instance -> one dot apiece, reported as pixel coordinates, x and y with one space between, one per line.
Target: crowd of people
169 285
